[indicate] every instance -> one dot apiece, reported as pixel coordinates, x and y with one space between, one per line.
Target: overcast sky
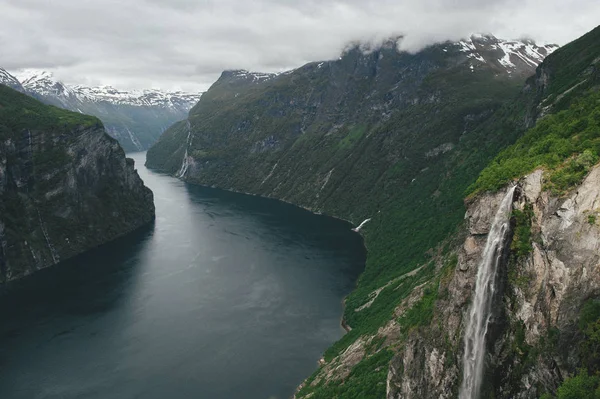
185 44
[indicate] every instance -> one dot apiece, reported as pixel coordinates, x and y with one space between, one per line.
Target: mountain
135 118
543 298
65 186
9 80
378 134
383 76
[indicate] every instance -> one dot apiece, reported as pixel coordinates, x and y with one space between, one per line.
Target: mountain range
135 118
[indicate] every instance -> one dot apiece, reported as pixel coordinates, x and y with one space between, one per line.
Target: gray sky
185 44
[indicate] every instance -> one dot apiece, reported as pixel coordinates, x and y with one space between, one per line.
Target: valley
349 200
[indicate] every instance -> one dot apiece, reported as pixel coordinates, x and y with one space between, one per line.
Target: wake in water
481 306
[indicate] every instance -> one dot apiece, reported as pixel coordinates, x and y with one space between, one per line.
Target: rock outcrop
533 341
65 186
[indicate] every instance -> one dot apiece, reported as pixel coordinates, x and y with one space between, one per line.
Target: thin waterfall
185 163
480 310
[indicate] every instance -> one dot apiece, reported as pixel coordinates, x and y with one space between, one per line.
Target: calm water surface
225 296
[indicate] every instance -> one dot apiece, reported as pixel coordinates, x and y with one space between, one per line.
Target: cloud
187 43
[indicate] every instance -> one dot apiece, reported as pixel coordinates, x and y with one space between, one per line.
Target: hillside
398 138
65 186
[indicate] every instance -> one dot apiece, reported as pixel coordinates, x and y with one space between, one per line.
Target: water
481 307
225 296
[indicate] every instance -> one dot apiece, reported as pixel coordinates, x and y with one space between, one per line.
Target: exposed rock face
541 297
64 187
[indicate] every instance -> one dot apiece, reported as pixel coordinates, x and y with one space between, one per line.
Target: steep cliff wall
65 186
534 340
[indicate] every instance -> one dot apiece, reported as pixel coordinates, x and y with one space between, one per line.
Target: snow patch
44 83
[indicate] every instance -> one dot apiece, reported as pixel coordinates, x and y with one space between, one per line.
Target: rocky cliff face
135 118
533 343
65 186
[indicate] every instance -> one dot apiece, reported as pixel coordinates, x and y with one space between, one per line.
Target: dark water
225 296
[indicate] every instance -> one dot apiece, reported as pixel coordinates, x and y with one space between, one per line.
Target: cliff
65 186
534 340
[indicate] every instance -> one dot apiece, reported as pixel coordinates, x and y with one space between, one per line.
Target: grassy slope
18 111
566 144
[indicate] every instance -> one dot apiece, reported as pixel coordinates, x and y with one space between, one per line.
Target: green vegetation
565 144
570 70
592 219
521 243
368 321
19 112
585 384
367 380
355 134
422 311
589 325
581 386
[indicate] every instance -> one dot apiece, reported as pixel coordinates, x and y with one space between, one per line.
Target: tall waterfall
481 306
185 162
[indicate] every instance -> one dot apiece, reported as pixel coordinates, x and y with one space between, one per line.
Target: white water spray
185 163
481 307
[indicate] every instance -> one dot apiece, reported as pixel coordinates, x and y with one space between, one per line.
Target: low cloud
185 44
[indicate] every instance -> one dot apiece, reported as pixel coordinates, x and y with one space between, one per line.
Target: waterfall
185 163
184 166
481 306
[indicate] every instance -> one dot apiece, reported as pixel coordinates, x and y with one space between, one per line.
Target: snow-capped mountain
247 76
512 57
515 57
136 117
143 98
9 80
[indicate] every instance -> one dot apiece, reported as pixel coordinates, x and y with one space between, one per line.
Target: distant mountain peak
9 80
512 56
243 74
44 83
134 117
32 75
